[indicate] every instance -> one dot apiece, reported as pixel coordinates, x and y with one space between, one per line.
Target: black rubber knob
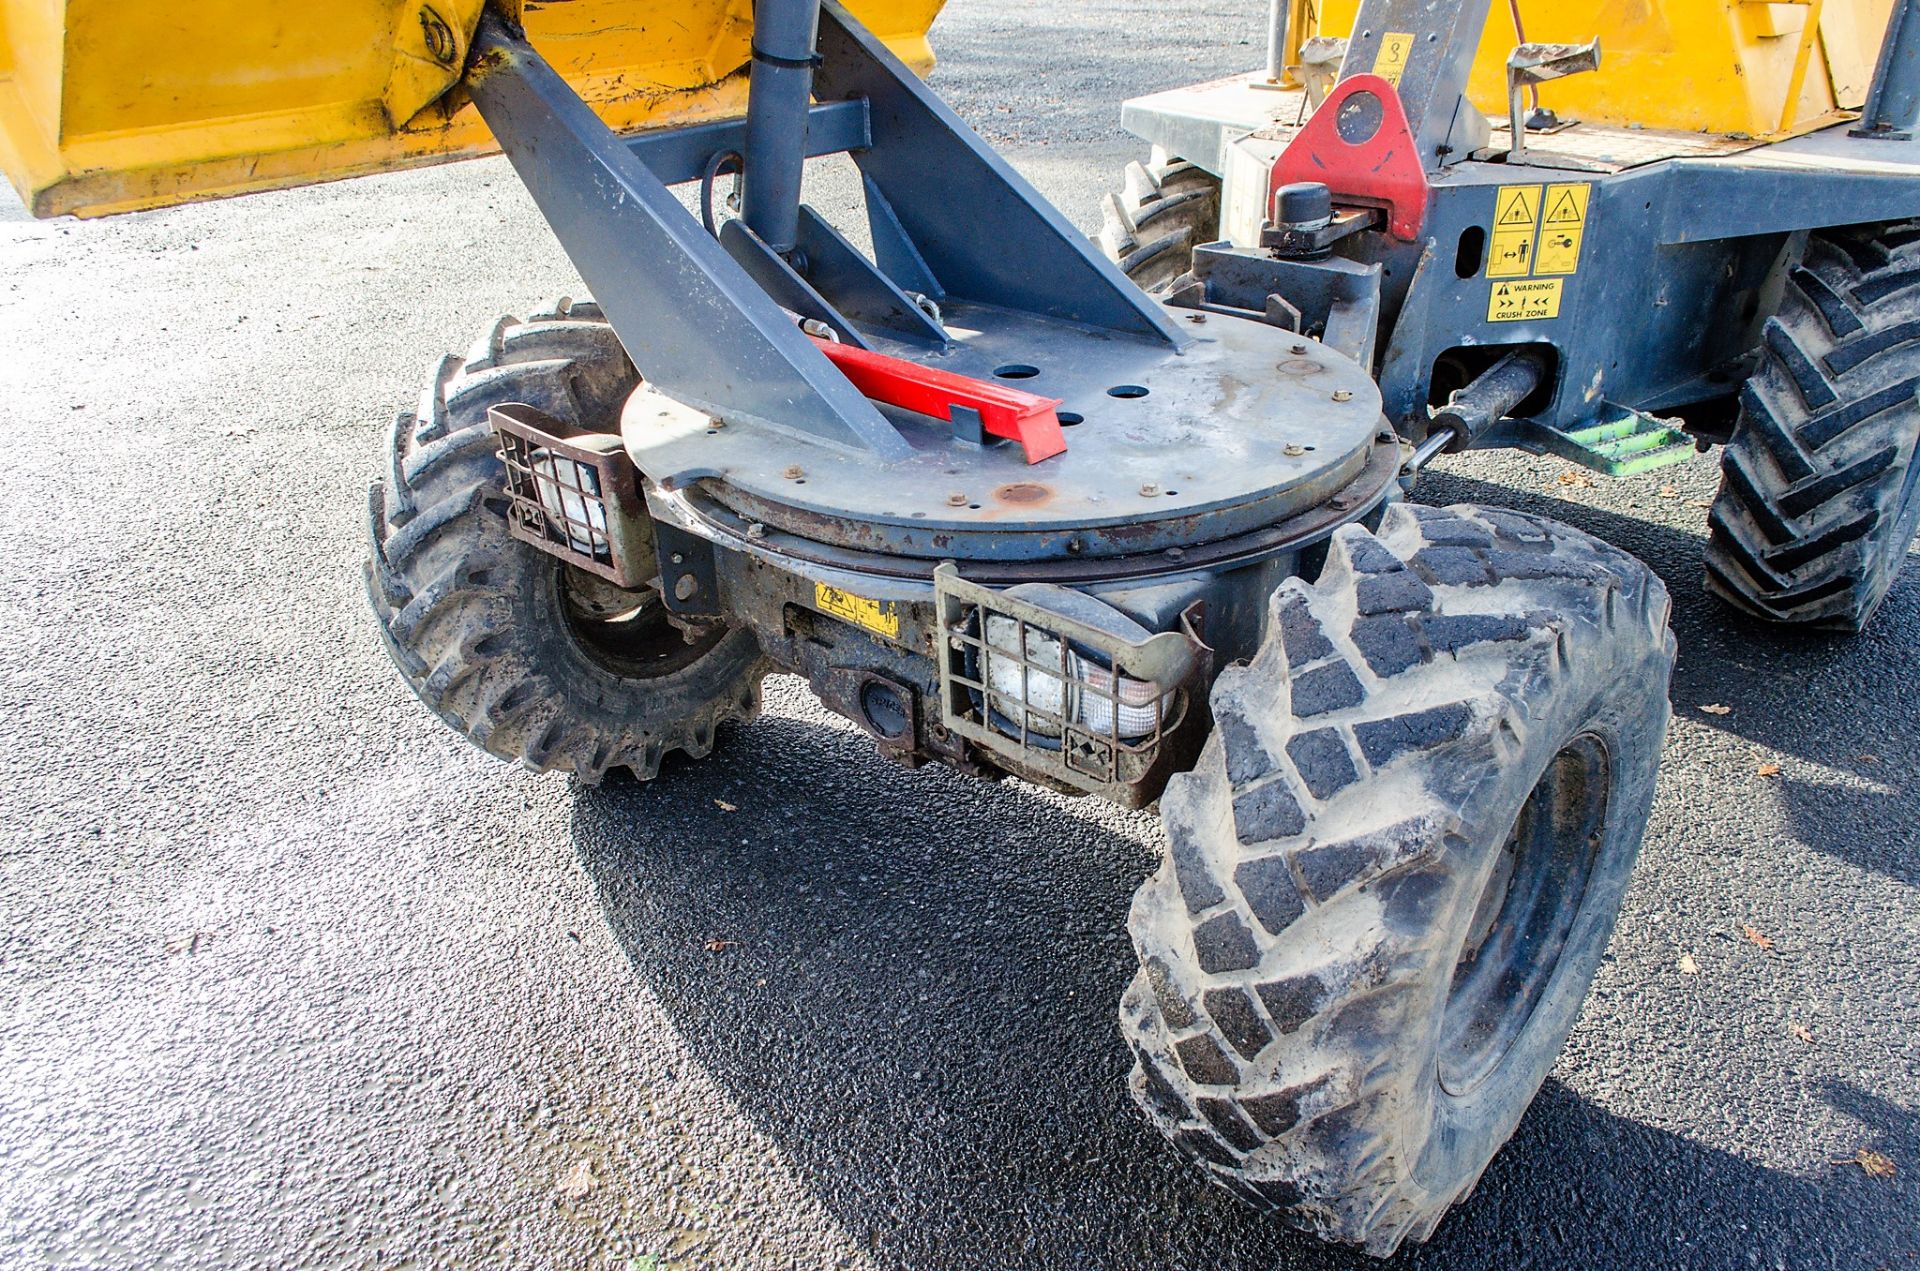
1303 203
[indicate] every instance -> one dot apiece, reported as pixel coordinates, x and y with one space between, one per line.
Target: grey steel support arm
1893 102
1277 42
784 35
693 321
952 217
1429 45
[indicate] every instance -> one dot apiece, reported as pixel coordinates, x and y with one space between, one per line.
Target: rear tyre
1164 209
1393 872
527 657
1819 488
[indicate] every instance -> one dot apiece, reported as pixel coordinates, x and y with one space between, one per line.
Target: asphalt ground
291 976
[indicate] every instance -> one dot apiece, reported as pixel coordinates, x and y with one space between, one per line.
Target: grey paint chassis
1212 452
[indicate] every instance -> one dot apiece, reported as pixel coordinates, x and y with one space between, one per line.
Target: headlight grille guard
1065 703
573 494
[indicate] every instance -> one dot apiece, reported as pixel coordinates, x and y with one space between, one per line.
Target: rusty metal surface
1249 426
903 576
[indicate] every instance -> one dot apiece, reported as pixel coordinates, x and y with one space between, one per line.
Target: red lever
1004 412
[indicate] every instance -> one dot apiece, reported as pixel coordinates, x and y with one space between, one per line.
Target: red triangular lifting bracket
1364 151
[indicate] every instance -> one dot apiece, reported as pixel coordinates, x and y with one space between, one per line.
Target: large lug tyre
1820 488
529 658
1165 208
1393 872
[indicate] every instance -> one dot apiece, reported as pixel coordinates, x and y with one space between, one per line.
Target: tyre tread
1817 503
1277 1032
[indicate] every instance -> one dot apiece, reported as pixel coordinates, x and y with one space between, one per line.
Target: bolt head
794 472
1293 450
1150 489
956 500
1343 395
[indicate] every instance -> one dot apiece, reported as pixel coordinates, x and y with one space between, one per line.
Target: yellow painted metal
1721 66
112 105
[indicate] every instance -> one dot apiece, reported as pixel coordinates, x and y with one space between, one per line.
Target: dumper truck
1125 516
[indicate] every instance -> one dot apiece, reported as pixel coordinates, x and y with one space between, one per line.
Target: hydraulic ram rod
1480 405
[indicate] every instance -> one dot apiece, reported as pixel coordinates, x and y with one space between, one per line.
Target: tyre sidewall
595 693
1626 708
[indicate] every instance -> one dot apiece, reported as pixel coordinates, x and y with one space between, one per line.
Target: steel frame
729 348
1694 248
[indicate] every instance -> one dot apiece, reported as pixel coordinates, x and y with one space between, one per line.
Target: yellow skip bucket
113 105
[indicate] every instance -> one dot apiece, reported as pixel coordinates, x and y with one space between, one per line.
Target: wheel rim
627 632
1525 915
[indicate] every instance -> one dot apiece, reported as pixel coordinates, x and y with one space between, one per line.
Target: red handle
1006 412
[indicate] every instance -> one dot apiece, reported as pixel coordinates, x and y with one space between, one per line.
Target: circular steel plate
1248 425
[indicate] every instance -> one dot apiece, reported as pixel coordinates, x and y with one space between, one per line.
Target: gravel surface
290 975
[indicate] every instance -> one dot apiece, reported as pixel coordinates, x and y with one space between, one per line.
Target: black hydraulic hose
707 178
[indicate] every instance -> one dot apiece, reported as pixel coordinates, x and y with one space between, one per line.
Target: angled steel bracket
976 225
695 323
1360 146
711 324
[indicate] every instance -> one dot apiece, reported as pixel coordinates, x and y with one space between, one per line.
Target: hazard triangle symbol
1564 210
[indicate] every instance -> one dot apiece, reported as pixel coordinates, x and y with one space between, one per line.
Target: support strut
1893 101
784 35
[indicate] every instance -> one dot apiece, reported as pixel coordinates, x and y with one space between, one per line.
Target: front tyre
1392 874
532 660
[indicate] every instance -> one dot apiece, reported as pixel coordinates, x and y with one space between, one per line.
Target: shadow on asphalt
916 1007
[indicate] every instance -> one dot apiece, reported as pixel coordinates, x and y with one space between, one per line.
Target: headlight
1042 704
1133 710
1087 696
570 496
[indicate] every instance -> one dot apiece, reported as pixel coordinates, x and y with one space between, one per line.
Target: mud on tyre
530 659
1392 874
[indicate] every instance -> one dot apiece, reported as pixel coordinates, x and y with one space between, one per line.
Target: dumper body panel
107 106
1689 65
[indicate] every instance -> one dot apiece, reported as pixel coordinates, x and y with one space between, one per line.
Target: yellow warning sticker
1562 228
882 617
1390 63
1516 214
1526 300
